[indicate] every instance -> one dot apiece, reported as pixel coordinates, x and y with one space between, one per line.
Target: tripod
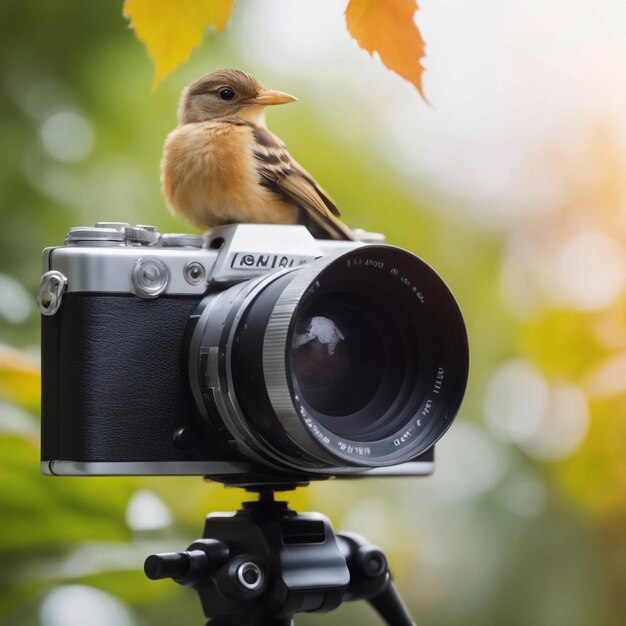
265 563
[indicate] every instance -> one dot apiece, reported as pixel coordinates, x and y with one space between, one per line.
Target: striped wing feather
284 176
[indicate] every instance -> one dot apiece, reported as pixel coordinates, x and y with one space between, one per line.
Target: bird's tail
324 227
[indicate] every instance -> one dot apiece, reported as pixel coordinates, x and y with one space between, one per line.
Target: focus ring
275 350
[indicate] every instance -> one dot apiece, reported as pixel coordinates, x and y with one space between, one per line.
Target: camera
253 352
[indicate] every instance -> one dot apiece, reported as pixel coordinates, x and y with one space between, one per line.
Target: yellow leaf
171 29
20 379
388 27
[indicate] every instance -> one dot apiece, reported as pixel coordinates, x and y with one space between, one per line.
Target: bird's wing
284 176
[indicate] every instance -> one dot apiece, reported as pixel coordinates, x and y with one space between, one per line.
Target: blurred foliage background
512 185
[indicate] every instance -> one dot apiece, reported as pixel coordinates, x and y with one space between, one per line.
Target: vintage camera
254 352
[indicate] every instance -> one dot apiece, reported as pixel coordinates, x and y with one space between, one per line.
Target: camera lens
357 360
350 355
336 351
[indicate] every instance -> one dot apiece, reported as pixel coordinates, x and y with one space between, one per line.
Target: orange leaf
171 29
387 27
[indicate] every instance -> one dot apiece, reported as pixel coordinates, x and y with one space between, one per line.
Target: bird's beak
267 96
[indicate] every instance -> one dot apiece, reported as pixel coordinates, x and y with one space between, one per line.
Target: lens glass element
336 355
355 361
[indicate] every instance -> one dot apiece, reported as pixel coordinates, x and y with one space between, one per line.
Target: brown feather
209 176
284 176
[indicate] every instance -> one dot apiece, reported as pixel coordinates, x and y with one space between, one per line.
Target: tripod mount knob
202 559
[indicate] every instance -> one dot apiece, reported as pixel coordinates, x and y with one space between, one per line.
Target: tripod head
265 563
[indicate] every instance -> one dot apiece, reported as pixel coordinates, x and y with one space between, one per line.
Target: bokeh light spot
609 378
15 301
548 421
516 399
525 496
14 419
79 605
146 511
468 462
67 136
588 272
564 425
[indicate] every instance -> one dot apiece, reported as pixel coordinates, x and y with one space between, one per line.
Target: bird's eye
226 93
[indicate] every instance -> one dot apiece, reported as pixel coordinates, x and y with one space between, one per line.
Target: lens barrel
354 361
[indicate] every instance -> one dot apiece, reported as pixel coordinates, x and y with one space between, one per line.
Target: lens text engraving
359 450
403 438
439 380
316 431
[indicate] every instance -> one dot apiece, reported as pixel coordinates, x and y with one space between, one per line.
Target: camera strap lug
53 286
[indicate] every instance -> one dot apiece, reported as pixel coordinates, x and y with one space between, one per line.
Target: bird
221 164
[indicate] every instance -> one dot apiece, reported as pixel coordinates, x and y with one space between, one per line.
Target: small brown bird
221 165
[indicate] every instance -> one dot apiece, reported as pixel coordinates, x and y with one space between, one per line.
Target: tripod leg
371 580
390 606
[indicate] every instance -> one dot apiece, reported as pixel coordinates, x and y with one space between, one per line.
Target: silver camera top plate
104 258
